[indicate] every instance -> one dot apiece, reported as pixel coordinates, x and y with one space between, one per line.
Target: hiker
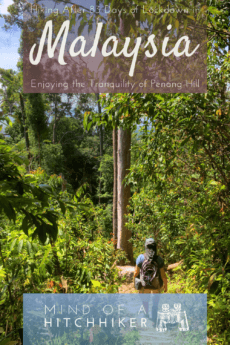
150 269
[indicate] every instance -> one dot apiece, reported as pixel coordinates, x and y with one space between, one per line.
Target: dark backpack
150 274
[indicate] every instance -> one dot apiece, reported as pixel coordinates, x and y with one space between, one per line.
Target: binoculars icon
171 316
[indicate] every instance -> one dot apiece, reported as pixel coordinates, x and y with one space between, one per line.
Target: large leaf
20 245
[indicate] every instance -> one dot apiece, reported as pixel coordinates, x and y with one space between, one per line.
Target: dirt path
128 271
127 286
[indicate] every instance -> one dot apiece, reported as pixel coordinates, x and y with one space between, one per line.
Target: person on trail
149 274
150 268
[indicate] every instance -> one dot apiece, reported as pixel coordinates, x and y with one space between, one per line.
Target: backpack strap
154 260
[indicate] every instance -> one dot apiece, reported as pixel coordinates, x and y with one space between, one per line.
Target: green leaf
25 225
41 233
19 187
2 274
72 20
89 125
62 206
46 187
185 141
191 17
7 207
32 267
214 183
13 244
35 247
28 246
212 10
42 264
20 244
96 283
81 27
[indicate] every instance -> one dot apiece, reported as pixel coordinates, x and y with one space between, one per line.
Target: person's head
150 248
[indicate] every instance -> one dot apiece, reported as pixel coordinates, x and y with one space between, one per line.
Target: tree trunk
123 192
24 126
101 142
115 187
39 147
55 121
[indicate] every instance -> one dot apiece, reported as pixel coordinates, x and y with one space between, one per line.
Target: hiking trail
128 271
146 338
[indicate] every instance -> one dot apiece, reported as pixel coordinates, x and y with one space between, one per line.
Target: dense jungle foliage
56 188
